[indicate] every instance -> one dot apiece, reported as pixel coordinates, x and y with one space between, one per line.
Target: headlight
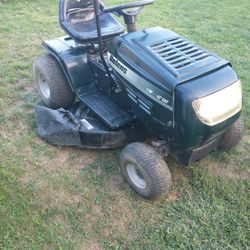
219 106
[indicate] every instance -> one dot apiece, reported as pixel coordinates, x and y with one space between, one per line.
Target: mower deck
78 126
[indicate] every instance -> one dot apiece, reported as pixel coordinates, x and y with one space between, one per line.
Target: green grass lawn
67 198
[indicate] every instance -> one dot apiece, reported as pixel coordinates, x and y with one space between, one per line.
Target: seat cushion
80 23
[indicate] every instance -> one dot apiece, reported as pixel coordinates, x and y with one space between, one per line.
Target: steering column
129 11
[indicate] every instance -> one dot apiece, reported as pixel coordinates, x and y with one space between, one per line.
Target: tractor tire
145 170
232 136
51 83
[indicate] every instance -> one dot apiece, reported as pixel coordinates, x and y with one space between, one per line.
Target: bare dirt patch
123 214
61 161
248 137
51 176
60 197
173 196
228 171
91 246
117 184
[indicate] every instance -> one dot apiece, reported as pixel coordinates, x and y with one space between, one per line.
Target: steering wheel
121 9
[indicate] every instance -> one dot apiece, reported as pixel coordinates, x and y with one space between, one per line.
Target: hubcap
136 176
44 86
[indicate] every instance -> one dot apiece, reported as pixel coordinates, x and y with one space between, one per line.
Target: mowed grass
68 198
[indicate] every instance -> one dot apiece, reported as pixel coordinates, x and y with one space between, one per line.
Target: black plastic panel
106 109
181 56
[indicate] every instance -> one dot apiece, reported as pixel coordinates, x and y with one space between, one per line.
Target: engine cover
163 57
166 72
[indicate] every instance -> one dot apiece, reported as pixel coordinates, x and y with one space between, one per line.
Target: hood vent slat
181 56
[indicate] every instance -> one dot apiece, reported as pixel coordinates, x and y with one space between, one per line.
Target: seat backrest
77 18
77 10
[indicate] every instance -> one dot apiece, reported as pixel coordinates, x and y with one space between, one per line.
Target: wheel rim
44 86
136 176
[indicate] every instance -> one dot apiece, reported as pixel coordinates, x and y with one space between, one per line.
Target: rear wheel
145 170
51 82
232 136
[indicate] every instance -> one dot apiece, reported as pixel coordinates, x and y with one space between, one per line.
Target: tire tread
154 165
61 93
232 136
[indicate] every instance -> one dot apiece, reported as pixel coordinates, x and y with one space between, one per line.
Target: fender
73 60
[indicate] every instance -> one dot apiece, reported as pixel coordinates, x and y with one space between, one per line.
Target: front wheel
145 170
232 136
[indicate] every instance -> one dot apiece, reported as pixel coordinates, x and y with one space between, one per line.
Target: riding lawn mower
152 91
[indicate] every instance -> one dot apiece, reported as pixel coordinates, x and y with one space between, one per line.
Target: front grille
181 56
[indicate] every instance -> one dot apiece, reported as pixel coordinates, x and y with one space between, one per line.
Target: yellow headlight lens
219 106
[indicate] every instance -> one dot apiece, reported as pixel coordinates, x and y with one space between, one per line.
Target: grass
67 198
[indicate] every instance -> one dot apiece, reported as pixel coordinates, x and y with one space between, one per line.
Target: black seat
77 18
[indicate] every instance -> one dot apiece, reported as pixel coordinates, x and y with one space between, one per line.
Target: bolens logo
118 65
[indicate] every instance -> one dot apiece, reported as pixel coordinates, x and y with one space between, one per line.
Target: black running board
108 111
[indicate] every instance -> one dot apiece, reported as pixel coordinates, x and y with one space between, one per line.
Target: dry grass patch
91 246
228 171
